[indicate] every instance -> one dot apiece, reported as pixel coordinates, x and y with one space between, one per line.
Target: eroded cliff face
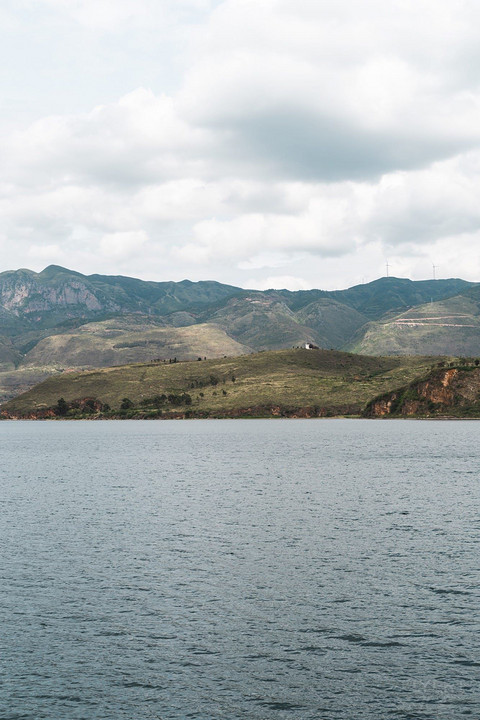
382 406
439 389
447 392
27 296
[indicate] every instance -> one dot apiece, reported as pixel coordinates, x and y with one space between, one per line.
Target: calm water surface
274 569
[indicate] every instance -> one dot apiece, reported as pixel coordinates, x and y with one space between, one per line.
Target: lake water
258 569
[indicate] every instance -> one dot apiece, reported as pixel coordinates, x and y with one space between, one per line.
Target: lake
224 569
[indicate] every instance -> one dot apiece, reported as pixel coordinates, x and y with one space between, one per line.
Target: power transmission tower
387 265
435 268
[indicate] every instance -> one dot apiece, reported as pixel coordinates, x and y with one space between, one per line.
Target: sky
261 143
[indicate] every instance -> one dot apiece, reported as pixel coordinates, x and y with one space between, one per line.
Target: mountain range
59 320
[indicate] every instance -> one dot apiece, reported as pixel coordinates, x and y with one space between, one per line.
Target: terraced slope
447 327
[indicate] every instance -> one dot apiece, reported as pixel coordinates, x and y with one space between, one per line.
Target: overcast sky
263 143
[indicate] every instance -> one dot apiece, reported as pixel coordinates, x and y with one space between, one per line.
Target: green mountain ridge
49 320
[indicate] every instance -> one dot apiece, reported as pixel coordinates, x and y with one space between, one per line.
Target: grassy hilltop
285 382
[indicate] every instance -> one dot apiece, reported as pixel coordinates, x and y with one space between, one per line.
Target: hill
264 321
446 391
446 327
379 297
60 318
130 339
289 382
48 298
9 355
33 305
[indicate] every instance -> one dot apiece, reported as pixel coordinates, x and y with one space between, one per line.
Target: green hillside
261 322
9 355
287 382
381 296
59 318
15 382
334 322
264 321
447 327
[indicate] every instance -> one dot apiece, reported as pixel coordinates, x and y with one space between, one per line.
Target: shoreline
137 418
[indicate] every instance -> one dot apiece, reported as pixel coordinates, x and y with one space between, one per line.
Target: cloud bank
302 143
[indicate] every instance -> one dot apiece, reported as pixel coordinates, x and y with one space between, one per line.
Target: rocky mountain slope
56 295
57 299
53 319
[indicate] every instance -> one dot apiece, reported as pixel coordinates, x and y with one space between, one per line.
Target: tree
62 407
126 404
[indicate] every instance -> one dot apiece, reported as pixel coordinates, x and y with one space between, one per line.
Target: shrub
89 406
183 399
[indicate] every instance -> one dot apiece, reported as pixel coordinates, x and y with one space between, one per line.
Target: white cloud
308 136
122 244
49 253
280 282
100 14
317 91
110 16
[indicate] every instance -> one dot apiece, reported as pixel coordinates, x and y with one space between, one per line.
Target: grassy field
284 382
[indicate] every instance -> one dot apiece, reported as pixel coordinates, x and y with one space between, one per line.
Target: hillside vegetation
288 382
59 319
